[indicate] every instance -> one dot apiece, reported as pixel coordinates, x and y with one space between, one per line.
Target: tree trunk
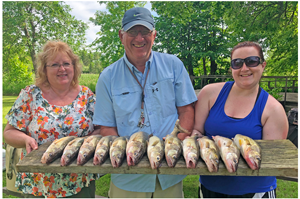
190 67
204 81
213 68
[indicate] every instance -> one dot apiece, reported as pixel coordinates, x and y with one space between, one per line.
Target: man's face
138 48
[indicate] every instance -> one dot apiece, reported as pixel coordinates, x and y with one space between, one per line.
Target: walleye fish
229 152
71 151
155 151
249 150
55 149
102 149
87 149
191 152
136 147
117 151
209 153
173 145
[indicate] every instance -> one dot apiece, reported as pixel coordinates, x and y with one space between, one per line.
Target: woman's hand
19 139
31 144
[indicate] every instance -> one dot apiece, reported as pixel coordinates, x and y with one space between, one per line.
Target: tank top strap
222 97
261 103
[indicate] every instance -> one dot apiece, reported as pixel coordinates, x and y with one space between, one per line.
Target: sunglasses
251 61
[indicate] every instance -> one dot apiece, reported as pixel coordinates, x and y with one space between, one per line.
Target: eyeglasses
65 65
134 33
251 61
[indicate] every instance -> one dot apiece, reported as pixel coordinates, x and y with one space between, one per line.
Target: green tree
108 42
194 31
29 24
273 24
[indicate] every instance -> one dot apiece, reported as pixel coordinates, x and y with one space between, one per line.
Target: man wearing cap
144 91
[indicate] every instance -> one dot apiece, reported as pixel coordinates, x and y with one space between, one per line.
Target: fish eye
135 153
174 156
50 154
101 155
84 155
68 156
157 158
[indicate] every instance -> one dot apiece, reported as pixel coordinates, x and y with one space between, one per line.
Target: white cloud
83 10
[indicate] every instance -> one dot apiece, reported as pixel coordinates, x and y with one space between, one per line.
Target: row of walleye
135 146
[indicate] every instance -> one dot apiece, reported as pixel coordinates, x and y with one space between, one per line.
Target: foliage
27 25
17 77
90 61
273 24
197 34
108 42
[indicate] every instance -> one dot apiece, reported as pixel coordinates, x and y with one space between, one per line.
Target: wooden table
279 158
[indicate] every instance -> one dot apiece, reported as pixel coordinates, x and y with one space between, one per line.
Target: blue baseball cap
137 16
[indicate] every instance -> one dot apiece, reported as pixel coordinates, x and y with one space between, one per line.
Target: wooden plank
279 158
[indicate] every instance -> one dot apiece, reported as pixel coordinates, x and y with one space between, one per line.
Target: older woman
240 107
55 107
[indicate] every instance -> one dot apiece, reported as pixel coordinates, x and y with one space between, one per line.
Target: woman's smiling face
247 77
60 76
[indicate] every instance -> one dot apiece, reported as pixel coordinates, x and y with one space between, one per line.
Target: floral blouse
35 116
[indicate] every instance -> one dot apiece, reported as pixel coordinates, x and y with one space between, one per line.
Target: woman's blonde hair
50 50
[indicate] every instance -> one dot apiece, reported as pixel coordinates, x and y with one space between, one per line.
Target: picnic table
279 158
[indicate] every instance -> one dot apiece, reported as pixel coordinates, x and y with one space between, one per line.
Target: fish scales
249 149
229 152
173 145
155 151
55 149
102 149
117 151
71 151
191 152
136 147
87 149
209 153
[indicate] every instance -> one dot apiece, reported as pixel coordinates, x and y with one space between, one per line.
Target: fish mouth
254 163
190 164
63 162
114 162
130 161
232 166
96 160
170 161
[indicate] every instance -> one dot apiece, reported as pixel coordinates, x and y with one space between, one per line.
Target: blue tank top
218 123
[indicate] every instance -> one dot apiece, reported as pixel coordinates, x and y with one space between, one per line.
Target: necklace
141 122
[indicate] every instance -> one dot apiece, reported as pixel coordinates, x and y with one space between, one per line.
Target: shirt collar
148 63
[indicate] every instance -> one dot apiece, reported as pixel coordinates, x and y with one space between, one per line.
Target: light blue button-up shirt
118 105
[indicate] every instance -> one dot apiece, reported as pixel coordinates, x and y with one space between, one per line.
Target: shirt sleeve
104 113
184 91
20 114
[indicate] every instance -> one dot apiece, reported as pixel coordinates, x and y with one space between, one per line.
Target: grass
285 189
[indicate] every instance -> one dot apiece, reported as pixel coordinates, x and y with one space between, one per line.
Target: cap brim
135 23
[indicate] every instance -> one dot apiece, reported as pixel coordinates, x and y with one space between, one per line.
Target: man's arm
106 130
186 119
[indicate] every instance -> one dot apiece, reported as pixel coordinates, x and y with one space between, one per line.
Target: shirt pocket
163 97
126 101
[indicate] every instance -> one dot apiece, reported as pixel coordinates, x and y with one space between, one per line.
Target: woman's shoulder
273 105
86 90
30 90
213 87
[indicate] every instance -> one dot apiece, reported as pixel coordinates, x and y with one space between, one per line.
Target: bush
18 76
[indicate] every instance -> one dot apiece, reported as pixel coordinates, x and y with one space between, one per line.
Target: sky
83 10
